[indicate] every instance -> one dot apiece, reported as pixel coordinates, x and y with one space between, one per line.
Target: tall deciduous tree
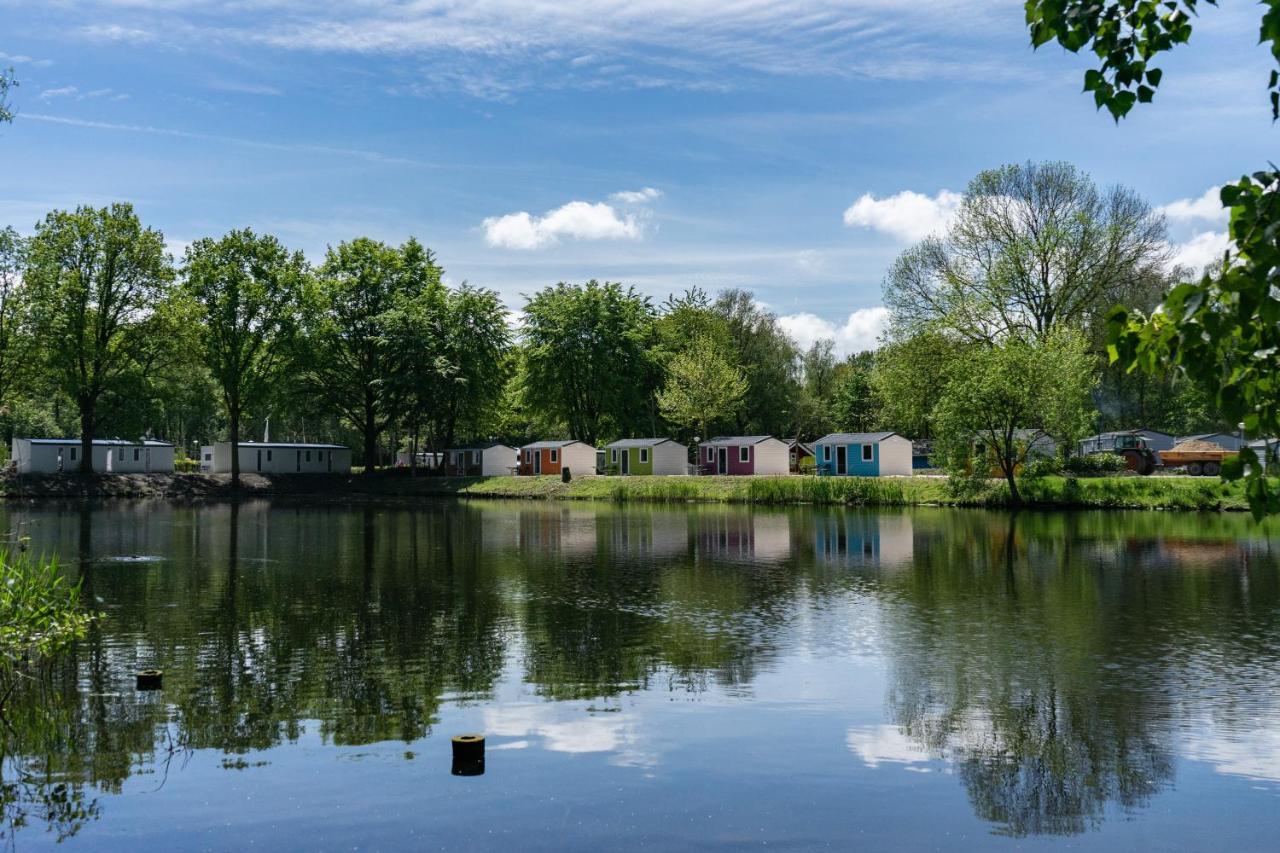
996 393
855 405
909 377
99 282
344 362
703 386
15 336
1032 247
246 289
587 358
768 358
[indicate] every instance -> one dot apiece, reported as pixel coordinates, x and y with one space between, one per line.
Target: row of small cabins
862 454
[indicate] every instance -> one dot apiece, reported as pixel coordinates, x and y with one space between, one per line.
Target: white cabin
277 457
483 460
110 456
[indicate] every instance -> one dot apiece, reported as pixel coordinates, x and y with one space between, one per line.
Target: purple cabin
743 454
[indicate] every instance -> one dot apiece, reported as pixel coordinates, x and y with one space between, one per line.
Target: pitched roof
540 445
289 445
854 437
488 446
637 442
737 440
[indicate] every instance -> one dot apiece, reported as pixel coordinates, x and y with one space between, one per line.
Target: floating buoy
468 767
150 679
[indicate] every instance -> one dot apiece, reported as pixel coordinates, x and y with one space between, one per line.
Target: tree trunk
88 414
233 412
1007 464
370 438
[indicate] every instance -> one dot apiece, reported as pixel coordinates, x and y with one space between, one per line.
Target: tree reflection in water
1049 658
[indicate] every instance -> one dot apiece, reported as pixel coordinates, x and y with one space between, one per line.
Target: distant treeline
103 333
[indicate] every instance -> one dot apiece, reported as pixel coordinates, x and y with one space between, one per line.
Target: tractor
1138 457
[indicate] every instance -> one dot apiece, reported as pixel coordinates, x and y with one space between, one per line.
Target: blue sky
792 148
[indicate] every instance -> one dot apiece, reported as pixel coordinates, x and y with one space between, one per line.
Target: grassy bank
1201 493
1101 492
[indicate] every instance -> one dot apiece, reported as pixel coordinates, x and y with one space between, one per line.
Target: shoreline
1120 493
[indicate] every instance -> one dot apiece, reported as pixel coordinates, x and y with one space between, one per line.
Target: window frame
644 456
744 453
826 453
555 456
613 454
868 453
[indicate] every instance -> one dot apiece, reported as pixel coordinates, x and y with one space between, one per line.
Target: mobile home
743 454
864 454
632 456
277 458
110 456
481 460
552 457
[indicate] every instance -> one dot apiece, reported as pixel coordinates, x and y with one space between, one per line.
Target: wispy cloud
636 196
74 93
1206 208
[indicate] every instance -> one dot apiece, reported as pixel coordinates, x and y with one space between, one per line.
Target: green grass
1096 492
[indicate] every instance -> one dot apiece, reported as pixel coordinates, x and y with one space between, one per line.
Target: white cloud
636 196
60 92
581 220
115 32
1206 208
858 333
75 93
1201 250
877 745
907 215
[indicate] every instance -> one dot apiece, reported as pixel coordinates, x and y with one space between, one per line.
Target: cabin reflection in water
729 535
856 538
634 535
567 531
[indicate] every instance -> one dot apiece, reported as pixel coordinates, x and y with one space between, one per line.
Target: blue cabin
863 454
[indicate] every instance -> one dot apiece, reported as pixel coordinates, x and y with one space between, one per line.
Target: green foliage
39 612
100 287
1033 248
246 291
909 377
1043 466
854 404
587 359
1095 464
702 387
995 394
17 344
769 360
7 82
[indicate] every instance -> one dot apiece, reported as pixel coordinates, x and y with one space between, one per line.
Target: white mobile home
277 457
110 456
482 460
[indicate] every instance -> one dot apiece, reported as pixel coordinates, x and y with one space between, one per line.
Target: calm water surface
656 679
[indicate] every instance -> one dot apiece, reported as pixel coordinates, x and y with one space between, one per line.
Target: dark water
661 679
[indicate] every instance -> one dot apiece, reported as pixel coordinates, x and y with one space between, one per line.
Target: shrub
39 613
1043 466
1095 464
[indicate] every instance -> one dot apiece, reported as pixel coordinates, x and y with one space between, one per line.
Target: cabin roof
854 437
102 442
637 442
737 440
290 445
488 446
552 445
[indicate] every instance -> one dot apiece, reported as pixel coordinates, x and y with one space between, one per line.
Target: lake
656 678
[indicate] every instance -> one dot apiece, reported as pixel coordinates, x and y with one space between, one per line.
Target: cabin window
120 454
73 453
711 454
528 456
136 455
268 455
866 453
308 455
613 455
644 455
208 457
744 454
555 456
826 453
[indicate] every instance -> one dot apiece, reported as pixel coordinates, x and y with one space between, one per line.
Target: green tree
344 362
909 377
996 393
1032 247
1223 331
100 283
855 406
16 341
587 358
769 360
7 82
703 386
246 289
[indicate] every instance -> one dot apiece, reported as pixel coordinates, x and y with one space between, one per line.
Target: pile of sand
1196 445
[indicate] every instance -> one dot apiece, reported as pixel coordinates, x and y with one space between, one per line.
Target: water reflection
1056 666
